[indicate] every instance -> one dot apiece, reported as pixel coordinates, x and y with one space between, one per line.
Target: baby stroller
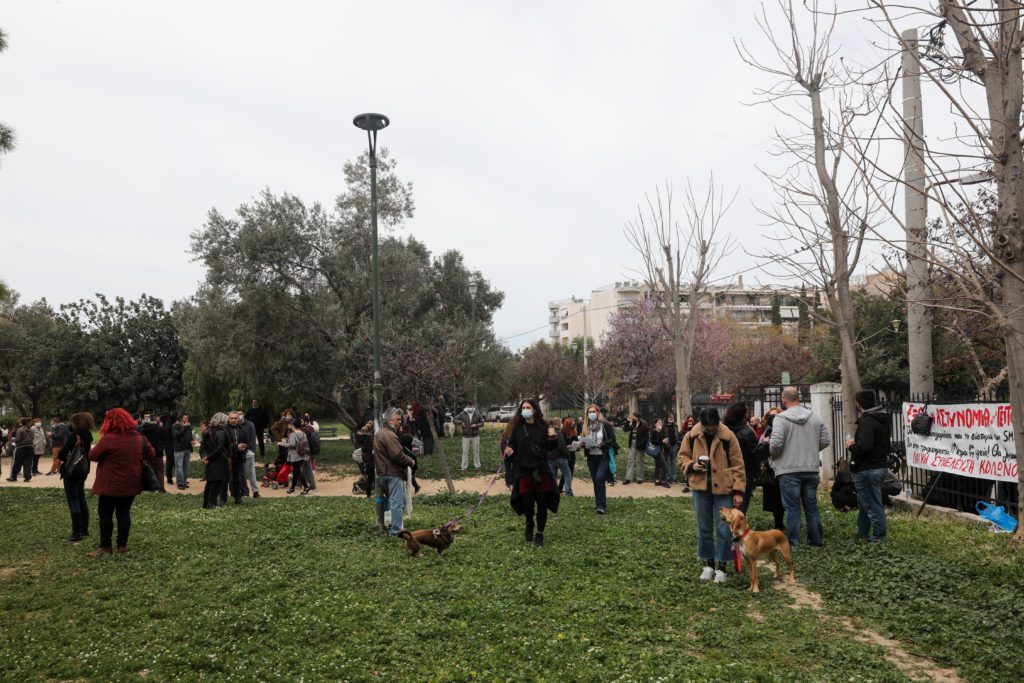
276 475
364 485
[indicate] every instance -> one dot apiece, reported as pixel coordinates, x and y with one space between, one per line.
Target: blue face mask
527 414
592 416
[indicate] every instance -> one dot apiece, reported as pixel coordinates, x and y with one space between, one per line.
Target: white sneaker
707 574
720 576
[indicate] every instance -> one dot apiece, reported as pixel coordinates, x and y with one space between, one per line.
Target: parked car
506 413
492 414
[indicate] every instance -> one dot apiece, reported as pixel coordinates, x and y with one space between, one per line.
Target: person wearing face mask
711 459
597 440
531 445
471 420
38 445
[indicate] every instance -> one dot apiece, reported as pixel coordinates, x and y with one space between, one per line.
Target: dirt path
915 667
329 485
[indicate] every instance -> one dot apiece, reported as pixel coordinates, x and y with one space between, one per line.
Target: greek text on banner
969 439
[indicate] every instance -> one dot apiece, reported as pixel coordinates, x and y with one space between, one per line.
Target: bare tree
678 264
983 257
824 205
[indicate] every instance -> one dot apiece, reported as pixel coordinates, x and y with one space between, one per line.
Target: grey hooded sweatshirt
797 437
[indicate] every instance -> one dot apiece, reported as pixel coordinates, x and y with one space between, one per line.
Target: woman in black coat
771 500
81 425
736 420
658 437
531 443
217 448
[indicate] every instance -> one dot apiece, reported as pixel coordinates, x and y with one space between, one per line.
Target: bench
328 431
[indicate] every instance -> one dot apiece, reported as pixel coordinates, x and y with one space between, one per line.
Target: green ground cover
305 589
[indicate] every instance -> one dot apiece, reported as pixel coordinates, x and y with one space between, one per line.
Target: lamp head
895 325
473 288
371 122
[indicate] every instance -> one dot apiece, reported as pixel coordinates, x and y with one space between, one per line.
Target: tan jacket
727 475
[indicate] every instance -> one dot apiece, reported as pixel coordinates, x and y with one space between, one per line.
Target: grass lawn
305 589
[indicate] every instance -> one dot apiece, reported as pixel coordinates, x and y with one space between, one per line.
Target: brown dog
438 539
756 545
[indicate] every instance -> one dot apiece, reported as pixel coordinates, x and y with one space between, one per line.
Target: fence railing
943 489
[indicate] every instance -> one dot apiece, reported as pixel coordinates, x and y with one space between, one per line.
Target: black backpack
922 422
314 443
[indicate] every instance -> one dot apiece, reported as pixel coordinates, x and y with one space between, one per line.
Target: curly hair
117 421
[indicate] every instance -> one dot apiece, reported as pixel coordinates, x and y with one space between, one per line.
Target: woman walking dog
531 444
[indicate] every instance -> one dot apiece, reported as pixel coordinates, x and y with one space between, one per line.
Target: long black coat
525 460
217 444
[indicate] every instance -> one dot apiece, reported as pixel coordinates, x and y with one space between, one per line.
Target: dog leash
737 560
472 509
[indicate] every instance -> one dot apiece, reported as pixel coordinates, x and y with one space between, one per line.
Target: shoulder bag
149 481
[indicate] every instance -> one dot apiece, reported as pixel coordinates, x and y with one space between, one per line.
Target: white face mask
469 409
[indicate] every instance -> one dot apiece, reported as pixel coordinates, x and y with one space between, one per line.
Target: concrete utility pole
919 315
586 375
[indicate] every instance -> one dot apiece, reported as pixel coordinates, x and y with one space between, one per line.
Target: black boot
76 528
529 532
538 540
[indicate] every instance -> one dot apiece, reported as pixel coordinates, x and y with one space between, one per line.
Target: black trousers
121 506
35 462
259 440
530 503
211 493
23 458
299 474
168 467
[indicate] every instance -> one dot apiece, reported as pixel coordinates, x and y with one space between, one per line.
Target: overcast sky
530 130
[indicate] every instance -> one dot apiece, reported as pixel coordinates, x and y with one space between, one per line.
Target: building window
565 326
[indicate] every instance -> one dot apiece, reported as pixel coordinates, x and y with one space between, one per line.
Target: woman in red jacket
118 454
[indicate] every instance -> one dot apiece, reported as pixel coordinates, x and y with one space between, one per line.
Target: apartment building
571 318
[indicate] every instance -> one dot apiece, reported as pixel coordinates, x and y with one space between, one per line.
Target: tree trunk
1004 91
440 451
684 407
342 414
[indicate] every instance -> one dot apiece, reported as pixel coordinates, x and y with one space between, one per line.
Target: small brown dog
756 545
439 539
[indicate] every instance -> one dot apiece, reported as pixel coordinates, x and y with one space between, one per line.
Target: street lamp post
473 286
372 123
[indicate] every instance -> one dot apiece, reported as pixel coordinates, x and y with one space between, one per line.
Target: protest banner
969 439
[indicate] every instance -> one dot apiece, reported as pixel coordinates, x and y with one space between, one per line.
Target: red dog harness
737 556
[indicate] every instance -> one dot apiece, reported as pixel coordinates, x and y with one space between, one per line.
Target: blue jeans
870 510
181 459
562 465
598 466
801 488
391 490
707 505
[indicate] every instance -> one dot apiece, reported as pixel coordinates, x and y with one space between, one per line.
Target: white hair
218 420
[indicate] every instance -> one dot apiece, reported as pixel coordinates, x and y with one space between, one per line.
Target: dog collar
743 535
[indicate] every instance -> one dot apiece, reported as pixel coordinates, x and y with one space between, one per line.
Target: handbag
653 450
922 422
149 481
77 467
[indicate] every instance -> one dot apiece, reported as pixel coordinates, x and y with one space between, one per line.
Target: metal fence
946 490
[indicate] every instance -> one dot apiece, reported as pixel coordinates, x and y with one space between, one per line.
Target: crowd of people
721 460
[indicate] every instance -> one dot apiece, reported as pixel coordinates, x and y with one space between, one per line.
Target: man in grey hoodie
797 437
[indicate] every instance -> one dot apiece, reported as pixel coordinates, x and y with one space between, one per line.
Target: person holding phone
712 462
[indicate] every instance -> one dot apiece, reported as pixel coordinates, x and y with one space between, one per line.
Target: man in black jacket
869 459
260 421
